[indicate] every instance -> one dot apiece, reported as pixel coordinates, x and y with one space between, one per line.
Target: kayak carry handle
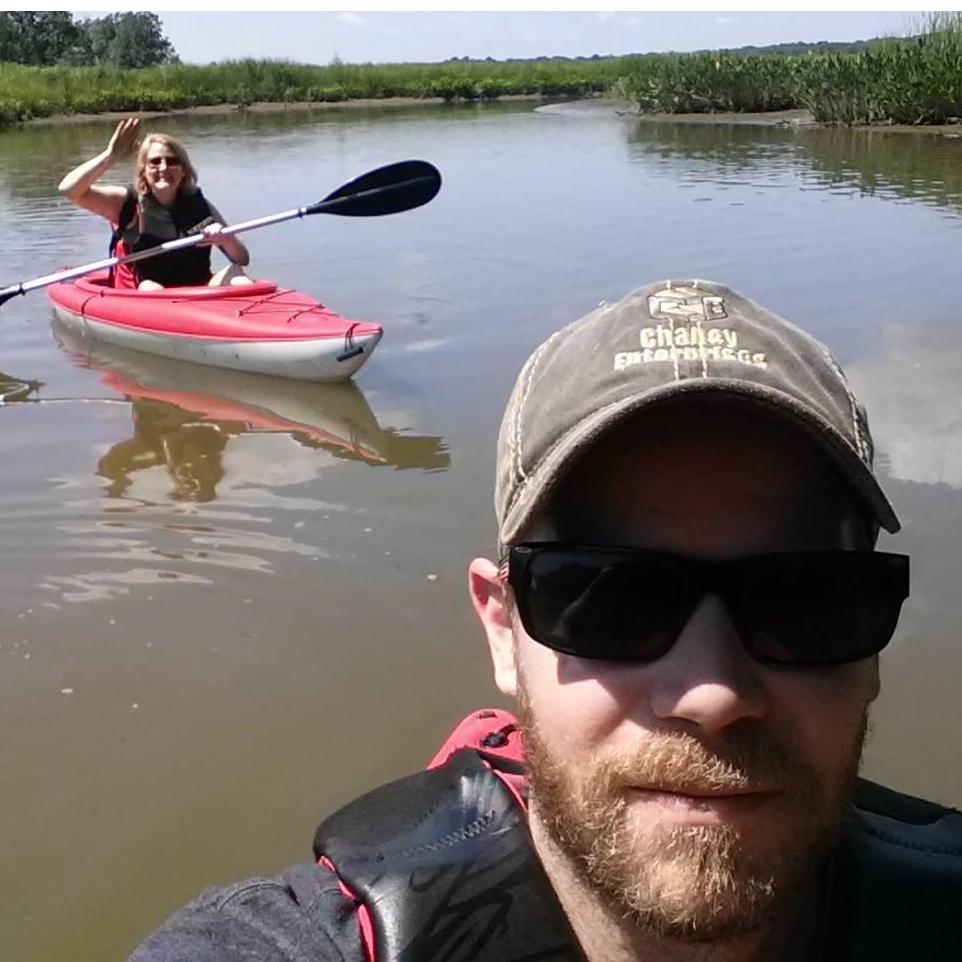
348 354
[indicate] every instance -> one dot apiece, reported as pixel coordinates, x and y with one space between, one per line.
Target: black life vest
897 880
441 864
145 222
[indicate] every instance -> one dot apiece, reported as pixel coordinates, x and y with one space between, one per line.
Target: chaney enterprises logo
685 332
686 304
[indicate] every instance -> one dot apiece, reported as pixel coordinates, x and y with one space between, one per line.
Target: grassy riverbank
895 81
30 92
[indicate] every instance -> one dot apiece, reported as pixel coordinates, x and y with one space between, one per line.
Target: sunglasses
169 161
808 608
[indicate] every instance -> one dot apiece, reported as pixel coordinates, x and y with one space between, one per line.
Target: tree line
54 38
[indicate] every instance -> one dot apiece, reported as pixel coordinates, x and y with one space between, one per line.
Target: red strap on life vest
123 275
493 733
364 923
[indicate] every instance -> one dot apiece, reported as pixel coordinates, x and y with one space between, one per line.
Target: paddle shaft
175 245
363 202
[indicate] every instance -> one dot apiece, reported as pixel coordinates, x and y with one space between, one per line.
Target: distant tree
53 37
129 40
7 33
140 42
100 34
79 53
38 37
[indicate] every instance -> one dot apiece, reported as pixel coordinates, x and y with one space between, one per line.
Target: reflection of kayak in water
335 417
259 328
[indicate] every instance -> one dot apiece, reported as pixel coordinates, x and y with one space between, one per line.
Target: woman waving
163 203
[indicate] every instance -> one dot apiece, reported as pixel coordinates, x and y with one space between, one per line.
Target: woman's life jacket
144 222
440 866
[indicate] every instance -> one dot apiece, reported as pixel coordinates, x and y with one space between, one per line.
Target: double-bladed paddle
386 190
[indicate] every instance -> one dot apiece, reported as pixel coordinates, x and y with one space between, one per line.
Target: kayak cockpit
99 284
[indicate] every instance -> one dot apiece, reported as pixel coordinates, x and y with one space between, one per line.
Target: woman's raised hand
123 139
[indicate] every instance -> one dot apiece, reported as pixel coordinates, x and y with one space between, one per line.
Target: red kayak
258 327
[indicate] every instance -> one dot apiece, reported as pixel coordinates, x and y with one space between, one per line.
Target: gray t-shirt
298 916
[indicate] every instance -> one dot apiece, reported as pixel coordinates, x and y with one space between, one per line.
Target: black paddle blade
387 190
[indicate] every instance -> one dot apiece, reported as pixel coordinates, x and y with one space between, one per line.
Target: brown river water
229 603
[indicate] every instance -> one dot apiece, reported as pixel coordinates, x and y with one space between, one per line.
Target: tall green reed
27 92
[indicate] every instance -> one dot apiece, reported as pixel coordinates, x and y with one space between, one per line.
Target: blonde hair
189 182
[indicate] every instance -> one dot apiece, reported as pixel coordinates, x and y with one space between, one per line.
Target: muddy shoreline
261 107
777 118
790 118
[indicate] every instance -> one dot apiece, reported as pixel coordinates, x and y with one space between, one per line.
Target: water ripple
106 585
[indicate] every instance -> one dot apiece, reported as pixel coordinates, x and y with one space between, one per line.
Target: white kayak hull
307 360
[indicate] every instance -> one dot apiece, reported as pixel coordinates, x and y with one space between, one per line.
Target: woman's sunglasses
169 161
620 604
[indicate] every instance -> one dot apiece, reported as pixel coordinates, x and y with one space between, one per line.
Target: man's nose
708 678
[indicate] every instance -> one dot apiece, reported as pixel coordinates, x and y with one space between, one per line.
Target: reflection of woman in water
187 431
191 446
190 450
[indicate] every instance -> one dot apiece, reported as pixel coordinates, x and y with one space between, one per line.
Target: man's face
694 793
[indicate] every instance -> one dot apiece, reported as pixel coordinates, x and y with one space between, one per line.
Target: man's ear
489 595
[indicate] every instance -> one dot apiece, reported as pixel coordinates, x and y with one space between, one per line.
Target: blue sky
392 37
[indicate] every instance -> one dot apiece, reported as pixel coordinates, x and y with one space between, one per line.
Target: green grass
903 81
906 81
709 83
917 81
27 92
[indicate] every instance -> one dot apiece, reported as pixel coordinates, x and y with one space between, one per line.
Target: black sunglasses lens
818 609
597 604
804 609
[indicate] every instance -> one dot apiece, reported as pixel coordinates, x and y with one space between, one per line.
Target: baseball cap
664 341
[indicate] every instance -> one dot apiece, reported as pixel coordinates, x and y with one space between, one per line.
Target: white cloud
912 381
724 21
354 19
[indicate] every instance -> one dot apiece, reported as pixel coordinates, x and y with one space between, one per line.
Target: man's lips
700 803
706 793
